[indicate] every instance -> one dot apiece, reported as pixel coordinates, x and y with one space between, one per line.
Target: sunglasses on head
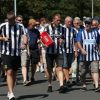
20 20
87 22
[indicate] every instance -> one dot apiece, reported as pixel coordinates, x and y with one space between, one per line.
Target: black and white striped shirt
55 33
70 36
14 33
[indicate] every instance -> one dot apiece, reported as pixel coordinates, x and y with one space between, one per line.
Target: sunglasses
77 23
20 20
87 22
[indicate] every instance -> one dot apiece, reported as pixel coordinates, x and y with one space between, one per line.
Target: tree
39 8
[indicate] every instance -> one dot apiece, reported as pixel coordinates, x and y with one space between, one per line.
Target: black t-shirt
34 35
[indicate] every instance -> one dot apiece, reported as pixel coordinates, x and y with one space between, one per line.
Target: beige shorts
24 58
93 66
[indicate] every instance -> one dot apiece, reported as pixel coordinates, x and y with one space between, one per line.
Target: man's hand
83 52
76 54
61 41
6 39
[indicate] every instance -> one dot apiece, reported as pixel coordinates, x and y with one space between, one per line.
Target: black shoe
69 85
62 89
97 89
32 80
65 85
73 82
64 82
13 98
49 89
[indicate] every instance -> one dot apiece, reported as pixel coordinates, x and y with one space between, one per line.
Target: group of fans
75 40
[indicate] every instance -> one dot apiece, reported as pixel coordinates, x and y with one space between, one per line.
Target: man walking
88 41
10 37
54 53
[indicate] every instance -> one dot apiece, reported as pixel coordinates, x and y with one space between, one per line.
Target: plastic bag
74 68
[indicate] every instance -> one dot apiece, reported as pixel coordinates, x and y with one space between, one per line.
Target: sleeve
79 36
1 30
98 38
37 32
63 33
22 29
99 31
26 31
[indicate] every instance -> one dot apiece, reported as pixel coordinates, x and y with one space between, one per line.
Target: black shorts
53 59
34 56
11 62
70 59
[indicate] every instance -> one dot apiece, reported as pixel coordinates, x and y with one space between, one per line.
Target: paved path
38 91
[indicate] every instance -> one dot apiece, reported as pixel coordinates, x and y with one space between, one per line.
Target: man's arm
98 40
25 39
81 48
79 41
3 38
24 35
75 43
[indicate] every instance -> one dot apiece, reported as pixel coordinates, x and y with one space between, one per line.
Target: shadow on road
3 95
39 81
32 96
32 83
3 84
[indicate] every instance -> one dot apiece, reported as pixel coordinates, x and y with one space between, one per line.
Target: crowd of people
73 40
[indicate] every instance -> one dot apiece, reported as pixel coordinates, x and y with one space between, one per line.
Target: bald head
56 19
68 21
95 23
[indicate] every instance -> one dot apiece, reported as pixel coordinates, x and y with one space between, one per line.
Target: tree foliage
39 8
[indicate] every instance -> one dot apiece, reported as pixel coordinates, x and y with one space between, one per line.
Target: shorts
11 62
68 59
89 65
34 56
53 59
24 58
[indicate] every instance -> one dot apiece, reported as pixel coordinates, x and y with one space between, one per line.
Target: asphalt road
38 91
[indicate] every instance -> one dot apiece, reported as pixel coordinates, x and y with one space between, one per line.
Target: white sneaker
10 96
37 69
